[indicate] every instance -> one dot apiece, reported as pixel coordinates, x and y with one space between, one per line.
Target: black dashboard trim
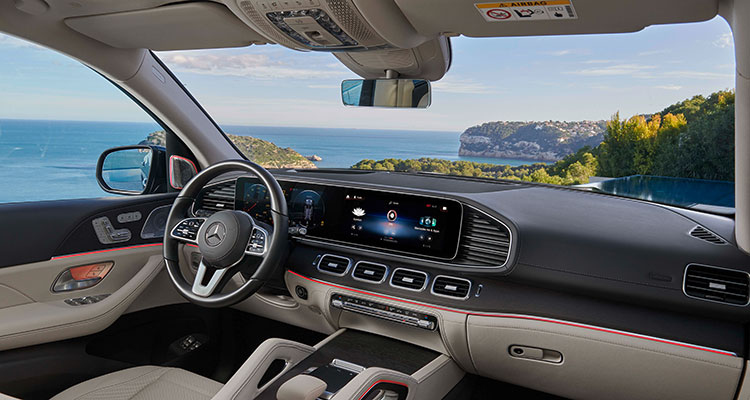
506 267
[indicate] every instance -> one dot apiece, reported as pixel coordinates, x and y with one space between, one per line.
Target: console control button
384 311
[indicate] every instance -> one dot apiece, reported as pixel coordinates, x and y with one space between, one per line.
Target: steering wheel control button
257 244
188 229
301 292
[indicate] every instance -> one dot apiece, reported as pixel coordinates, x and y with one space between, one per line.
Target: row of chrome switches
80 301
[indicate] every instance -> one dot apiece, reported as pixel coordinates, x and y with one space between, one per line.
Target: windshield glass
647 115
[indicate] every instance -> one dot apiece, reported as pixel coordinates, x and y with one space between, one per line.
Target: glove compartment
585 362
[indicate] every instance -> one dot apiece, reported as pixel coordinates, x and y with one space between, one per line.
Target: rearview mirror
401 93
131 169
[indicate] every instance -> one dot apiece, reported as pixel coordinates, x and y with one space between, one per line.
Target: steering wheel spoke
215 282
187 230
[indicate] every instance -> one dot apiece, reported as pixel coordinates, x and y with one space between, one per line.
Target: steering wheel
229 241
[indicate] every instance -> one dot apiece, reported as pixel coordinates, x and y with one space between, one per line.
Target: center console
347 365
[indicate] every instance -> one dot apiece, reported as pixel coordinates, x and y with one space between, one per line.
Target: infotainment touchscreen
382 220
408 223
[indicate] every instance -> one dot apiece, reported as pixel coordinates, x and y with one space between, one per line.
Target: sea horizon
60 156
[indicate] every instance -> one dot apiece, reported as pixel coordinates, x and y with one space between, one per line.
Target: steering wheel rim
235 225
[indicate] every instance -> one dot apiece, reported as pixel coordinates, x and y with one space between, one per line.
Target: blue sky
537 78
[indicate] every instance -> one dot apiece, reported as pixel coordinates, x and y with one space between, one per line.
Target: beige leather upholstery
301 387
244 382
144 383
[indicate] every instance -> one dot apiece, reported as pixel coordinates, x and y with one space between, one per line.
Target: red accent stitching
541 319
380 381
105 251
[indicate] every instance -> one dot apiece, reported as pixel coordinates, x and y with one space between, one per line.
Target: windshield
647 115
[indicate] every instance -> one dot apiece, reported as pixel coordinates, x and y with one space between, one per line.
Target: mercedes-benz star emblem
215 234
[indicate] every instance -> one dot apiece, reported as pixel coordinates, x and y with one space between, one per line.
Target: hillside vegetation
690 139
257 150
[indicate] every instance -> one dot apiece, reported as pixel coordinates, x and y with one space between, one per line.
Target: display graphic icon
392 215
358 212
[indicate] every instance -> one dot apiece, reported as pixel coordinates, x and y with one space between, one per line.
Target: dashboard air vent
485 242
370 272
450 286
704 234
409 279
716 284
334 265
215 198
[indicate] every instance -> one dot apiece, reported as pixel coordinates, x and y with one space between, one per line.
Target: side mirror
401 93
132 170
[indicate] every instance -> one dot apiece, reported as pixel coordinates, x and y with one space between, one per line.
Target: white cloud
652 53
724 41
639 70
698 75
258 66
669 87
566 52
464 86
598 61
324 86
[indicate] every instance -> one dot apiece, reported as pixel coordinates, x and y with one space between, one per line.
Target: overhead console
384 40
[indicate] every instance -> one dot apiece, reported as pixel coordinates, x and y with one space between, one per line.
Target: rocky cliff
539 141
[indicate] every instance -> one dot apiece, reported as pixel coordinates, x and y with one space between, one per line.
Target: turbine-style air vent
334 265
450 286
704 234
485 242
370 272
215 198
409 279
716 284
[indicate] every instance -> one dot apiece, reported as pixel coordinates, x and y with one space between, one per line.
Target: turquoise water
46 160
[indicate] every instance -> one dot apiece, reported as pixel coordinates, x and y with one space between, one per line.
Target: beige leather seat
144 383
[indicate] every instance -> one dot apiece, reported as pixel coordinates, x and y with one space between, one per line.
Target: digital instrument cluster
383 220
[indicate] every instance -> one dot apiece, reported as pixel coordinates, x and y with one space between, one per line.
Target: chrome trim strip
385 276
684 281
426 279
348 264
432 288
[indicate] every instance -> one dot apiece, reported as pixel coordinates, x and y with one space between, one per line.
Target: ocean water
47 160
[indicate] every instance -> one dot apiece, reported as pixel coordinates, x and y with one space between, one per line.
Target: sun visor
484 18
197 25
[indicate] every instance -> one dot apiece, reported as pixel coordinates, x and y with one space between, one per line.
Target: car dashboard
462 266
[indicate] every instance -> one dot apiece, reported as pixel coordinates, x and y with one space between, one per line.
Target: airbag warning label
527 10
